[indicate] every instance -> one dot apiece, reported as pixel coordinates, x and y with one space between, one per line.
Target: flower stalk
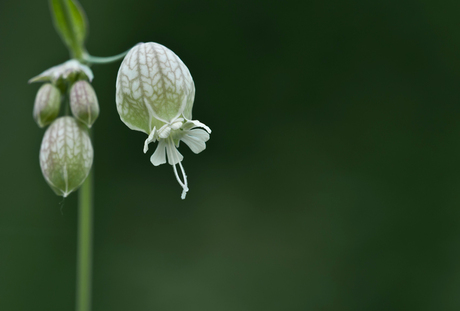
84 245
103 60
66 153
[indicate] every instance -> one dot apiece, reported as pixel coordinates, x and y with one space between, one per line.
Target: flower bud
154 87
66 155
47 104
83 102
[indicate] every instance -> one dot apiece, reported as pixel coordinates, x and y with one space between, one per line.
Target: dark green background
331 180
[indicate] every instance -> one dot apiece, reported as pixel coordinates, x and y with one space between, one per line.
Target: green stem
103 60
84 252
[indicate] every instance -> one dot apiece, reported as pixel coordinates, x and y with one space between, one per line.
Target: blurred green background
331 180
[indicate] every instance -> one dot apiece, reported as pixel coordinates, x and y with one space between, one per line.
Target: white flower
155 94
169 137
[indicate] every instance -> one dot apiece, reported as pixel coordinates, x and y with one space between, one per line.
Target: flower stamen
184 184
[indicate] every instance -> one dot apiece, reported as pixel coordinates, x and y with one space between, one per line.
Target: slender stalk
84 251
103 60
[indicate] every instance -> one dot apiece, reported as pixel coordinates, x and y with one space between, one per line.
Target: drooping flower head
154 95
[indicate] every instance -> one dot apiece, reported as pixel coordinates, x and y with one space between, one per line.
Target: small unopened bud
47 104
83 102
66 155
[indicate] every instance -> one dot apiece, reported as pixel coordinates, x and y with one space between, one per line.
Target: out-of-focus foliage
70 22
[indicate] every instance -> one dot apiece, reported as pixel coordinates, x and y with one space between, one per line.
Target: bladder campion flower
154 95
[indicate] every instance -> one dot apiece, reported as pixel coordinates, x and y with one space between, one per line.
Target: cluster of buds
66 152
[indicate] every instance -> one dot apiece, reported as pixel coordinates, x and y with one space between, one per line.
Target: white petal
164 131
159 157
176 124
195 123
150 139
174 155
199 133
196 139
87 72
